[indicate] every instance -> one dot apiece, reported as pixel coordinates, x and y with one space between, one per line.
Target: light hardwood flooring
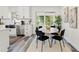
20 45
13 39
28 44
46 48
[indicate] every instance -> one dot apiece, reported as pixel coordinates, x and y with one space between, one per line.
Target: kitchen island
4 39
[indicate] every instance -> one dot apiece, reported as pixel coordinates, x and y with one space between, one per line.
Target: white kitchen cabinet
21 11
12 32
28 28
22 27
4 40
26 12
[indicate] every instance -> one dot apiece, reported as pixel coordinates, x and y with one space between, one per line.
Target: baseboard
72 46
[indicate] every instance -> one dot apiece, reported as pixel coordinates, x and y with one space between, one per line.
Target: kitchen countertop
2 27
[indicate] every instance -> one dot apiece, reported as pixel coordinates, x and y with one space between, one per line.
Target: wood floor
28 44
55 47
13 39
19 44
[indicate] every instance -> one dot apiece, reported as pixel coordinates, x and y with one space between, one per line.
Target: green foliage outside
37 22
39 19
48 21
58 20
42 19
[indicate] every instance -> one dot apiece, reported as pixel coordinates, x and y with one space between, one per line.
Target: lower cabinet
28 30
4 40
12 31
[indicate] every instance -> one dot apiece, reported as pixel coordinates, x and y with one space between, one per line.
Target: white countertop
2 27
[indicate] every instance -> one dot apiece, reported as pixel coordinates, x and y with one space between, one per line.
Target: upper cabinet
27 11
20 11
17 11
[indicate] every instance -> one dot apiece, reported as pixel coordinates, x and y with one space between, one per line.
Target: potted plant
58 22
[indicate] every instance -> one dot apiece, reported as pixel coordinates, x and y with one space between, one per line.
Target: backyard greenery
58 22
48 21
39 20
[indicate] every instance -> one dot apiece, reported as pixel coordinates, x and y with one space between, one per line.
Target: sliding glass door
46 21
40 21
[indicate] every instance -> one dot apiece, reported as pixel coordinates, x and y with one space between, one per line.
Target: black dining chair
59 28
40 27
59 38
53 26
54 33
41 36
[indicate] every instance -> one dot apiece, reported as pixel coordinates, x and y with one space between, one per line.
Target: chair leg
60 46
36 43
44 43
55 42
42 46
63 43
49 42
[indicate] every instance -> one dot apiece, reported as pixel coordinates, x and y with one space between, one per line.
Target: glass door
39 21
46 21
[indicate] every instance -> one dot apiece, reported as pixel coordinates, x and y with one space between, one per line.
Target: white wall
43 9
4 11
4 40
72 35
